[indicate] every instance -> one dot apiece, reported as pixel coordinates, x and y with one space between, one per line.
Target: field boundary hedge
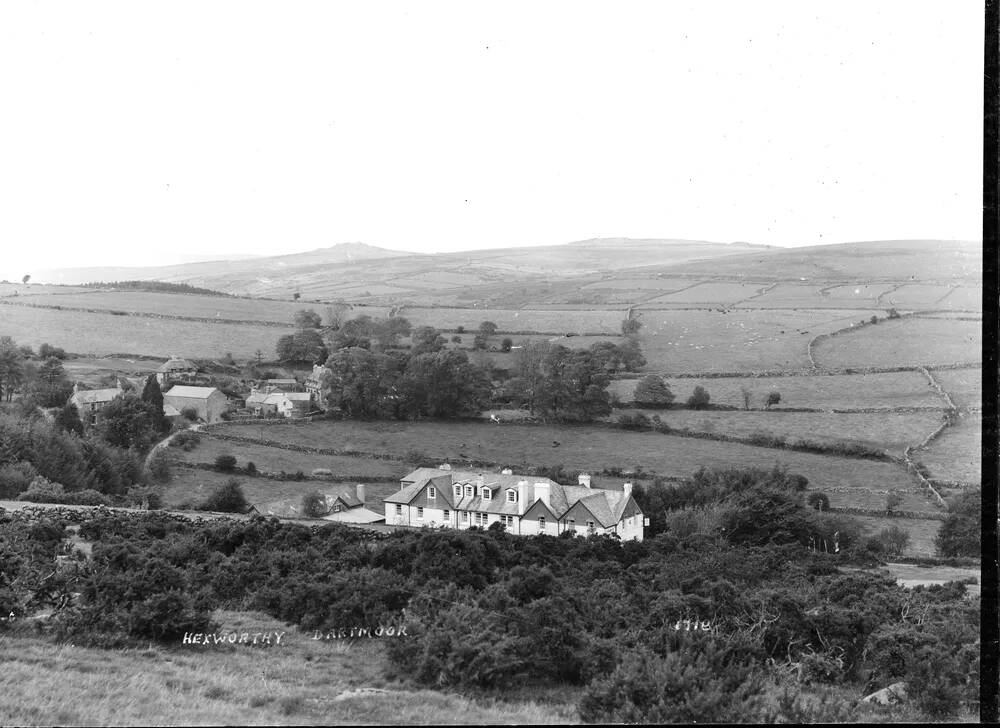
881 513
146 314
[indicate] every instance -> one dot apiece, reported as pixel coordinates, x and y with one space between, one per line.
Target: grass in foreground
300 682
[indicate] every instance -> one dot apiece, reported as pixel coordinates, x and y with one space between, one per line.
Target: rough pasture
888 431
175 304
99 333
964 297
803 296
643 284
527 320
193 485
710 292
591 448
837 391
38 289
902 342
956 455
916 295
922 532
739 340
965 386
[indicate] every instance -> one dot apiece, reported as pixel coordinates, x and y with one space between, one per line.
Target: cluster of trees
487 610
157 287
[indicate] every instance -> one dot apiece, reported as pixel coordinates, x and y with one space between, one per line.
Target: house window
465 516
431 491
399 510
590 526
458 491
487 495
541 523
336 508
420 513
512 496
571 524
446 515
469 491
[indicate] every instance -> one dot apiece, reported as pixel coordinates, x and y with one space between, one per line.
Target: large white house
525 505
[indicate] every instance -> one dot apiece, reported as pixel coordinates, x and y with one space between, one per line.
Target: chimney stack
506 471
542 493
444 466
627 489
522 497
584 480
361 493
480 482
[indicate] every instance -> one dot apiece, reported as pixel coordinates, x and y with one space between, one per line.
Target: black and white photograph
477 363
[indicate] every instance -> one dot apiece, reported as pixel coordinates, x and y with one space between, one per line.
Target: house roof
356 515
93 396
173 364
275 398
607 506
170 411
179 390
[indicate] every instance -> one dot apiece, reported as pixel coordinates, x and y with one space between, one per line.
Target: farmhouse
270 403
91 401
208 402
176 370
525 505
314 385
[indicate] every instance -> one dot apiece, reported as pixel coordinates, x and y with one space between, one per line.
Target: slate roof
94 396
179 390
356 515
170 411
606 506
173 364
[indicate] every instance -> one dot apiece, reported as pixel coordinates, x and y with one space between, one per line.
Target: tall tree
307 319
152 394
11 369
443 384
573 386
68 418
426 340
361 382
128 422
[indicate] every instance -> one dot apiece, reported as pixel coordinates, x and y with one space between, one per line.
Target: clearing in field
830 391
891 432
593 449
902 342
97 334
740 340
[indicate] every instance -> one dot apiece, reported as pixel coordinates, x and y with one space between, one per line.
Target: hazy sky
139 133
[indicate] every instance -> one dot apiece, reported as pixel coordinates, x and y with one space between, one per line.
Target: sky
139 133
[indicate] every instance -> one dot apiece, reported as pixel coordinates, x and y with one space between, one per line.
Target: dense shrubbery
736 556
961 533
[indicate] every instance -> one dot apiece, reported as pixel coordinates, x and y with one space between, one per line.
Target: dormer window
512 496
458 491
469 491
486 494
431 491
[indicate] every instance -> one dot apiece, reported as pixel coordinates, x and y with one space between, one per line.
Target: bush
699 399
251 468
186 440
159 466
652 391
894 539
678 688
961 532
638 421
313 505
818 500
225 463
773 398
227 498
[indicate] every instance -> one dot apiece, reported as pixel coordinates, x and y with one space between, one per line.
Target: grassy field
642 284
274 460
840 391
964 297
964 385
916 295
721 292
739 340
588 448
903 342
889 431
193 485
175 304
302 681
97 334
922 532
543 321
957 453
